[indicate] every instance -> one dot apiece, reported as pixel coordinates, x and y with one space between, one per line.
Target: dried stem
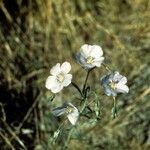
13 134
29 112
7 141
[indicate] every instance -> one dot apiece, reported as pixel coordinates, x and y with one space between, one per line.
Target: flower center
113 85
90 60
69 109
60 77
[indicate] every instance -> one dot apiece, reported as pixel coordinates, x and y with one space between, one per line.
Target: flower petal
96 51
109 92
98 62
65 67
50 82
123 80
57 88
117 76
80 59
53 85
121 88
58 111
67 81
85 50
73 116
55 69
105 80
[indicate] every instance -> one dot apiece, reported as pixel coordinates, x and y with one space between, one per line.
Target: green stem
78 89
83 105
68 138
57 133
85 83
114 110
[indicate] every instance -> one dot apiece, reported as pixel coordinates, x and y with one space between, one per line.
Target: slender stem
114 112
57 133
114 101
85 83
83 105
76 86
68 138
88 107
84 86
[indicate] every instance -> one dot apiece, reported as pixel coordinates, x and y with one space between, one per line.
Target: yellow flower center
69 109
60 77
113 85
90 60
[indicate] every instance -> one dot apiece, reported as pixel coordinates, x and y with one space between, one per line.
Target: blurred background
36 34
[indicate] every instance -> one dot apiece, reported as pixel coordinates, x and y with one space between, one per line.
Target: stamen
60 77
90 60
113 85
69 109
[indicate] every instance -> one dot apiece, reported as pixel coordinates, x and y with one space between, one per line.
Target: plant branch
78 89
85 83
114 109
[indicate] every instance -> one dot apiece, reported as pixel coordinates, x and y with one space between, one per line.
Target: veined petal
65 67
89 66
67 81
121 88
58 111
117 76
73 116
107 91
85 50
99 59
50 82
55 69
98 62
114 93
80 58
96 51
53 85
105 80
57 88
123 80
82 61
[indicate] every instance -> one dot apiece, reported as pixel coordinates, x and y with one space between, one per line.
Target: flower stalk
77 87
114 109
85 90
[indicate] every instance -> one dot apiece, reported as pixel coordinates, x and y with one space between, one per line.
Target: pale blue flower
114 83
90 56
69 109
59 77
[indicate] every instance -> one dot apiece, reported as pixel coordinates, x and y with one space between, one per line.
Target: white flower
90 56
69 109
59 77
114 83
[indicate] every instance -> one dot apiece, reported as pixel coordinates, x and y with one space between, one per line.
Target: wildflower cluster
89 57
